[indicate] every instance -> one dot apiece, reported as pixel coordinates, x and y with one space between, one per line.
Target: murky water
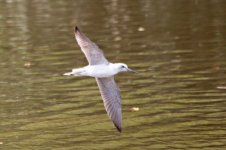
178 47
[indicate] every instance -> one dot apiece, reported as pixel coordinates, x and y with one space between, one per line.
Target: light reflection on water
177 48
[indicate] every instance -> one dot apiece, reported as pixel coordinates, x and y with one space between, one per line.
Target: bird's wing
92 52
112 100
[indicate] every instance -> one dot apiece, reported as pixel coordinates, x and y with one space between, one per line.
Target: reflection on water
178 48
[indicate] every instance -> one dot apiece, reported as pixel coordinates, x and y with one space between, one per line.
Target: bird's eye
122 66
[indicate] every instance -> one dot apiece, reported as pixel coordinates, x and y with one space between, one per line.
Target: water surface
178 48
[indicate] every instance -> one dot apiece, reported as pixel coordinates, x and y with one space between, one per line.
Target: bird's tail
75 72
68 74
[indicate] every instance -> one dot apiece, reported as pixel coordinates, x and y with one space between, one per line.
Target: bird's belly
101 72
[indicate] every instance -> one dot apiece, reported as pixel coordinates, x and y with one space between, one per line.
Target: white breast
100 71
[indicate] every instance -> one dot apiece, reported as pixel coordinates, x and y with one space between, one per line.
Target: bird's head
123 68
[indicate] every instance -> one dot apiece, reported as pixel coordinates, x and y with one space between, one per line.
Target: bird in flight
103 71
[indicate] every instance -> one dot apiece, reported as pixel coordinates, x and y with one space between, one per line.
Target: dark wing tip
76 29
118 128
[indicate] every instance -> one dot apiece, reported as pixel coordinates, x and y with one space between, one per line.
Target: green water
177 46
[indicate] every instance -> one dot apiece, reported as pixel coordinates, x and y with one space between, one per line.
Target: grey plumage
112 100
109 91
93 53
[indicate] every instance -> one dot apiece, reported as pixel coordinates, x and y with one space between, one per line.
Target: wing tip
119 128
76 29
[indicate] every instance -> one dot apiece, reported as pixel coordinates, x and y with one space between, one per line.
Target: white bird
104 72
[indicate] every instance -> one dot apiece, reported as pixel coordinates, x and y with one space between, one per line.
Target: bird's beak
130 70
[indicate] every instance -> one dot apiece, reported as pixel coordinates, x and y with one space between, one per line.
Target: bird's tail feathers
75 72
68 74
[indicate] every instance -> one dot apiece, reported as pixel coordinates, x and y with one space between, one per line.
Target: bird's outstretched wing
112 100
92 52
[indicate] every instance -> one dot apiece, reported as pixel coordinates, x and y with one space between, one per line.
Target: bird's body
97 71
104 72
